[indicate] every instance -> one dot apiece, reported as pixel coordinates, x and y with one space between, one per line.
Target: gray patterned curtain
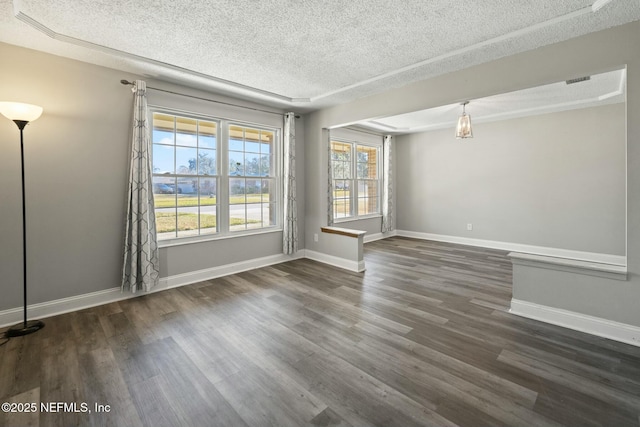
141 267
290 229
387 203
326 136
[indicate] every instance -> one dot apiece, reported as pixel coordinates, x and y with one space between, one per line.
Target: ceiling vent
578 80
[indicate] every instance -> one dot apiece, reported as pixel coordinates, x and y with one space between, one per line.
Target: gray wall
598 52
554 180
77 157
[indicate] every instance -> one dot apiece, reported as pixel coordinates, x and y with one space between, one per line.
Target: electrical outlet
469 227
315 237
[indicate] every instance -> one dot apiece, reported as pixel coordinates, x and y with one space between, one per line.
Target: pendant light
463 130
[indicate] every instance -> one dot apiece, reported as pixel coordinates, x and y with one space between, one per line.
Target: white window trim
354 173
222 169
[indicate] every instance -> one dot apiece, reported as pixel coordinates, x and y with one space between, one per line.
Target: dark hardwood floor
423 337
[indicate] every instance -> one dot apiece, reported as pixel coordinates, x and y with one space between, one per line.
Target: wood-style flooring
422 338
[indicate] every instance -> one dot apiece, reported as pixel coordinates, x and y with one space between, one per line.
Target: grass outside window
169 200
166 222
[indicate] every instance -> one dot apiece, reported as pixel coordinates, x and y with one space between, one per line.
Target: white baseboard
357 266
63 305
616 331
517 247
225 270
79 302
378 236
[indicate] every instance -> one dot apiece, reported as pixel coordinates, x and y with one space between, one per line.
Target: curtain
327 139
140 269
290 231
387 203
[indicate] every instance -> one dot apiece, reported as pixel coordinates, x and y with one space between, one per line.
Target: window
342 179
212 177
252 183
356 183
367 177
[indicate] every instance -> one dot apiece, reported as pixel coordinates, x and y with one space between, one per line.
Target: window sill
356 218
214 237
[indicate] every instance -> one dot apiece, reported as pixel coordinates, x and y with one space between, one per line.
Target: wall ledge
609 271
622 332
619 260
348 232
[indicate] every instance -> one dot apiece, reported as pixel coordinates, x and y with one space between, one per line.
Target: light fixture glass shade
463 130
20 111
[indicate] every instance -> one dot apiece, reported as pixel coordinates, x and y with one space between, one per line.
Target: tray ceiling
599 89
306 54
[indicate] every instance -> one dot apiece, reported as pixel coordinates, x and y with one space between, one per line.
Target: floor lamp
22 114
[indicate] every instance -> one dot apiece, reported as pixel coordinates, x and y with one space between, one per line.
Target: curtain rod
126 82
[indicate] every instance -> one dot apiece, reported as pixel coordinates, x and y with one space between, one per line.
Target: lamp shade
463 130
20 111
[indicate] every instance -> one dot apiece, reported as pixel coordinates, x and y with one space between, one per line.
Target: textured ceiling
600 89
305 54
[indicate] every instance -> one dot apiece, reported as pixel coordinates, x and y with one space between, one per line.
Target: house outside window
213 177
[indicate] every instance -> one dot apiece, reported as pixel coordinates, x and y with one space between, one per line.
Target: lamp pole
21 124
22 114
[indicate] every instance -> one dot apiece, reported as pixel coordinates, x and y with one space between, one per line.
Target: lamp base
25 328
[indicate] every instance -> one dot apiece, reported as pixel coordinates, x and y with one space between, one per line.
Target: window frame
354 196
276 177
222 175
